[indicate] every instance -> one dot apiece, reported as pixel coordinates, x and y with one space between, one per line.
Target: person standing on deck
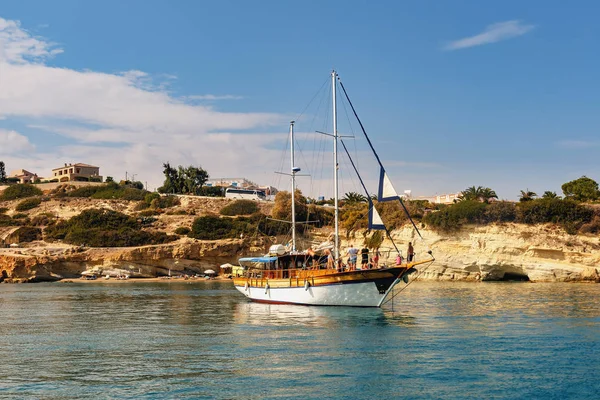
411 252
329 259
376 258
352 255
364 255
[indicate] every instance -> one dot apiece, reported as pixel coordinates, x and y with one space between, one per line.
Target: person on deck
364 255
352 256
410 252
329 259
376 258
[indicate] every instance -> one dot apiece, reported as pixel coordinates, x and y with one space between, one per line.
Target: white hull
362 294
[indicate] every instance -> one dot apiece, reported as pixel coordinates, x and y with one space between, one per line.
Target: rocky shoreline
476 253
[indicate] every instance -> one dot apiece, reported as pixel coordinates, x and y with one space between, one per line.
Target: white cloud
122 121
19 46
493 33
13 142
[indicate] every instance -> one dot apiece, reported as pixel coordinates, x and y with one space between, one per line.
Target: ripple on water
204 340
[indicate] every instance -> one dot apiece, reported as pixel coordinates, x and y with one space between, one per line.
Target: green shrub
3 210
105 228
568 213
211 191
592 227
19 216
86 191
133 194
5 220
211 227
149 197
20 191
501 211
28 234
140 205
456 215
28 204
163 201
44 219
182 230
240 207
169 201
110 190
148 213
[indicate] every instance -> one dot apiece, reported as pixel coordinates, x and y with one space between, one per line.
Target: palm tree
471 193
353 197
549 195
527 195
478 193
487 194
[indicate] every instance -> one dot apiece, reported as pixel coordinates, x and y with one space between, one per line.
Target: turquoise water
204 340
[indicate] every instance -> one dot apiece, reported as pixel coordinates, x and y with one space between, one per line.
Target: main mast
336 244
293 173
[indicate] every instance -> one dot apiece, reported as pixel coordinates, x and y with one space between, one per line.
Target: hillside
542 252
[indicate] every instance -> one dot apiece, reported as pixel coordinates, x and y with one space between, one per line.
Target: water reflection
322 317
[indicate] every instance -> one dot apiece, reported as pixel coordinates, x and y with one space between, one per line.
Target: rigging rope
376 155
367 193
396 293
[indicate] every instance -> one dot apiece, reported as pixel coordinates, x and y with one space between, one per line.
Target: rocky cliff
187 256
522 252
506 252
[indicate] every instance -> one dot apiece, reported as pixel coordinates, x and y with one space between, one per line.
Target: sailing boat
288 276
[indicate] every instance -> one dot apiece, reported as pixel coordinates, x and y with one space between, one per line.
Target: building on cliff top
77 172
448 198
24 176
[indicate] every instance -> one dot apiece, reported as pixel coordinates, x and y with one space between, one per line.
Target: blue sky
454 94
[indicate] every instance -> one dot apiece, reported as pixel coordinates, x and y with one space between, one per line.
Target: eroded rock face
476 253
188 257
507 252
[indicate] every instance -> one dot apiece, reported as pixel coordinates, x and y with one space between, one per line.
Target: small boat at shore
286 275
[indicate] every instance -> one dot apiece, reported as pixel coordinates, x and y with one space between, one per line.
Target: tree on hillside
527 195
478 193
282 209
582 189
488 194
183 180
549 195
353 197
2 172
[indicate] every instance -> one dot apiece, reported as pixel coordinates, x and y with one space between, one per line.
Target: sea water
205 340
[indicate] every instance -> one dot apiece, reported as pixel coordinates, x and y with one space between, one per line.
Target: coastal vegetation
582 189
240 207
2 172
28 204
183 180
19 192
105 228
154 201
111 190
571 212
